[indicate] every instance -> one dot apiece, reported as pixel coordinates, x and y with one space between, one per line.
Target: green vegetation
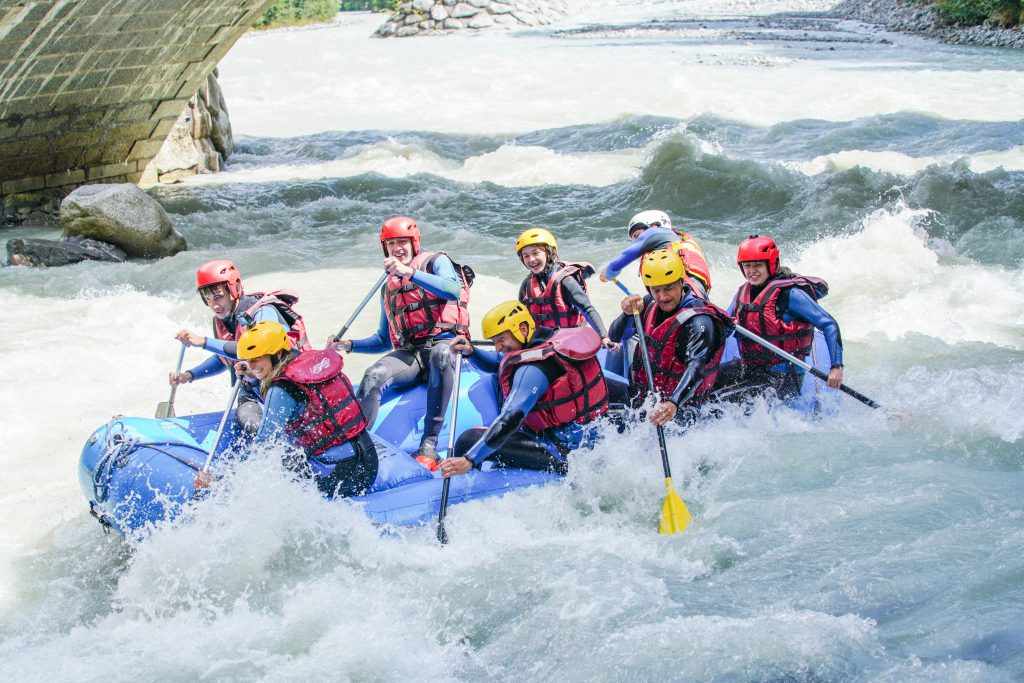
1005 13
372 5
297 12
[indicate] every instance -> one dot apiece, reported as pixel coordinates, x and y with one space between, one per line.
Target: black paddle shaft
650 383
442 535
360 307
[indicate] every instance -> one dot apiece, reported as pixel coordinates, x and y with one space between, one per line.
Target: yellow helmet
533 236
265 338
662 267
507 316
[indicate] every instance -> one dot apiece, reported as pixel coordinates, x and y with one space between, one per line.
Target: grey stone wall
417 17
89 89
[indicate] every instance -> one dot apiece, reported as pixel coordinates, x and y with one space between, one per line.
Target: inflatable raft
138 471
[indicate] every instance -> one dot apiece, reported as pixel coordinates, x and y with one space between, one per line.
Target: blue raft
138 471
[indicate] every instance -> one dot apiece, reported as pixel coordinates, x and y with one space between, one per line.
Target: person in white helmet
652 230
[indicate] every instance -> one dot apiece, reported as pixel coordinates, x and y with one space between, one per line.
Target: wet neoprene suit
340 471
574 295
695 345
507 442
417 363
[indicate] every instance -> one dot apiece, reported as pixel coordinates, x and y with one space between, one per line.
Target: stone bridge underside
90 88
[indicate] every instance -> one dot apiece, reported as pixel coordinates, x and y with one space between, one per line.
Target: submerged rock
26 251
123 215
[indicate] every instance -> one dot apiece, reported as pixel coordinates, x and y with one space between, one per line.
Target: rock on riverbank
417 17
910 17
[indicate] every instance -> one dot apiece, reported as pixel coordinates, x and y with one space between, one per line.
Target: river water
855 547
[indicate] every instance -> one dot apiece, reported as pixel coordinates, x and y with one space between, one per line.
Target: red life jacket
414 313
546 303
696 265
331 415
762 317
245 310
662 339
579 394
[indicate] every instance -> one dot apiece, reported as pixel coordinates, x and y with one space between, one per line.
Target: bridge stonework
89 89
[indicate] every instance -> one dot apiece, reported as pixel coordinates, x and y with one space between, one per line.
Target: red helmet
756 248
400 226
218 272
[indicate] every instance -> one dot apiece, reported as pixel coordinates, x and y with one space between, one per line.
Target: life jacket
579 394
331 416
283 300
415 313
546 303
696 265
662 339
761 316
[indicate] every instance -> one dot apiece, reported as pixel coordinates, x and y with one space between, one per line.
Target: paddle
220 427
674 515
362 305
809 368
165 409
442 535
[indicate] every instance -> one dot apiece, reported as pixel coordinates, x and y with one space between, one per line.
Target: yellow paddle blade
674 515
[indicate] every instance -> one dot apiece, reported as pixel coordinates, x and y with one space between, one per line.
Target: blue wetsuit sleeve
227 349
279 408
628 255
802 307
379 340
487 360
210 366
732 306
528 384
442 281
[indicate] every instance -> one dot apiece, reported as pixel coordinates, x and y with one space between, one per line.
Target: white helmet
649 219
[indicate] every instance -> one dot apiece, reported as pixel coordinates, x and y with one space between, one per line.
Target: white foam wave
905 164
510 165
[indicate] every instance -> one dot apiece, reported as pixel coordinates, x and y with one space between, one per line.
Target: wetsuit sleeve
379 340
524 289
701 337
802 307
228 349
528 384
210 366
623 327
653 238
272 314
279 408
486 359
575 295
442 281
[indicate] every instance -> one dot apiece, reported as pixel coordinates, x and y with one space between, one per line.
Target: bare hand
189 338
452 466
609 344
339 344
603 275
202 480
462 345
182 378
663 413
835 377
633 303
242 368
396 267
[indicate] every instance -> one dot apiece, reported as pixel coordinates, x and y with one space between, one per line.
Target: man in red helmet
220 286
425 300
780 306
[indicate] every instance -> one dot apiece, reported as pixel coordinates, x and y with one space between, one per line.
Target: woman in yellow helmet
310 403
553 389
555 292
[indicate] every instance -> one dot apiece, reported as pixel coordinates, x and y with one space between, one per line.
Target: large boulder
124 215
27 251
